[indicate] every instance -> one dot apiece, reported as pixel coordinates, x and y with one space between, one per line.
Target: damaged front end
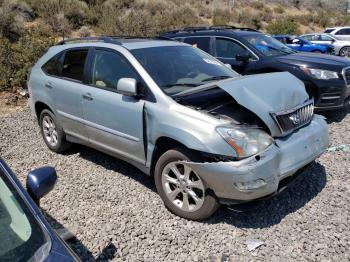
283 134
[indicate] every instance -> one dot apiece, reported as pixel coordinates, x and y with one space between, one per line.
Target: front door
113 121
227 50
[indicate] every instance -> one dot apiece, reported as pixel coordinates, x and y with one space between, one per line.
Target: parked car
303 45
326 78
341 32
208 135
341 47
25 235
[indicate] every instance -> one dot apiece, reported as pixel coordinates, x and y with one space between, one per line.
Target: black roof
210 30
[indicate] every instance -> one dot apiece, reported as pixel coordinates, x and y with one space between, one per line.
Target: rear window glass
200 42
53 66
73 66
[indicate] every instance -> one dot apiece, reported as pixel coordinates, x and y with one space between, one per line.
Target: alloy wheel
183 187
49 130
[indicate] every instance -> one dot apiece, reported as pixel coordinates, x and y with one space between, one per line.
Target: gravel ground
115 213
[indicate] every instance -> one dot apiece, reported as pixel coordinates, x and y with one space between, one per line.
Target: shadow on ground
265 214
107 253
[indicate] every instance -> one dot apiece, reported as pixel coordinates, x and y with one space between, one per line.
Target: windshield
20 234
268 45
179 68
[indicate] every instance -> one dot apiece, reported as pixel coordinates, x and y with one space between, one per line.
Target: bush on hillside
17 58
286 26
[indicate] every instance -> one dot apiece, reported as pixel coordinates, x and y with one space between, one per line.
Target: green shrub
11 27
287 26
18 57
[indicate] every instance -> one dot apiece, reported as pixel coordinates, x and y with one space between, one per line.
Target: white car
340 32
341 47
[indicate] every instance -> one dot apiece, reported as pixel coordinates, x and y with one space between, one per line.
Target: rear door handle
49 85
87 96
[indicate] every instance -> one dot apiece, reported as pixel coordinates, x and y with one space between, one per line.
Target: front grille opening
292 119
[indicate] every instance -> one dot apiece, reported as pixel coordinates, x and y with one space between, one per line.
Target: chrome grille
346 75
295 118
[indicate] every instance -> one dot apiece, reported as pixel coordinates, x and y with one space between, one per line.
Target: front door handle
87 96
49 85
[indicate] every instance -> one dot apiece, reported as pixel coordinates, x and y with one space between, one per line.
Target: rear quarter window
53 67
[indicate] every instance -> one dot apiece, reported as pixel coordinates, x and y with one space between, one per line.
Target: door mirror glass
127 86
40 182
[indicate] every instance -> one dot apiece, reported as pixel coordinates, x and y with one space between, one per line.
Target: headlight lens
320 74
246 142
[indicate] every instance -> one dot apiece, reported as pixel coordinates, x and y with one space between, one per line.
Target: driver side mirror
40 182
127 86
297 42
244 58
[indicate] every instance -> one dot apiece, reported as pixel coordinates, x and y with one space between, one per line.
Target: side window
325 38
344 31
108 67
200 42
53 67
73 65
309 37
226 48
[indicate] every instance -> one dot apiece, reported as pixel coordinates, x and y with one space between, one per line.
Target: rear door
114 122
65 85
343 34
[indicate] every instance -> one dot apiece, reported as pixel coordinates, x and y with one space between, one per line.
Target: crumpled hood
266 93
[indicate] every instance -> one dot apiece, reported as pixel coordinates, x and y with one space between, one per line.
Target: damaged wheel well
162 145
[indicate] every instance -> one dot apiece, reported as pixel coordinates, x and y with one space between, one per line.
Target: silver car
208 135
341 47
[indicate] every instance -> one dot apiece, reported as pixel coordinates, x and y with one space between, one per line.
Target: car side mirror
297 42
244 58
228 66
127 86
40 182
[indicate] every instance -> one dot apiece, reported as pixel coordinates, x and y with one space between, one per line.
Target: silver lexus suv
208 135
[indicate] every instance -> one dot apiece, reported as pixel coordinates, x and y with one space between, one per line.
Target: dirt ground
14 105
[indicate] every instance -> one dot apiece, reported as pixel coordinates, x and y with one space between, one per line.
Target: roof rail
106 39
109 39
214 27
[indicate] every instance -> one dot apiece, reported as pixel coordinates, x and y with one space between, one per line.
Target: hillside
27 27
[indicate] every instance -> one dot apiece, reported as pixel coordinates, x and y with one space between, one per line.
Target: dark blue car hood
321 61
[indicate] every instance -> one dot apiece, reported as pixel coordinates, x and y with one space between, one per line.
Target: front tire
182 190
52 132
345 51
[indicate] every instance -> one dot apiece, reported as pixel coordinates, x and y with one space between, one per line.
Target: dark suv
326 78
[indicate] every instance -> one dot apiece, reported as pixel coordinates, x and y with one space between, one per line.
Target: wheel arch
39 107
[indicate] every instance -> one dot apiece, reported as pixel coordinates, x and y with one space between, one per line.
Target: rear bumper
260 176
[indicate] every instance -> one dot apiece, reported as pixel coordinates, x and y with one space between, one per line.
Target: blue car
303 45
25 235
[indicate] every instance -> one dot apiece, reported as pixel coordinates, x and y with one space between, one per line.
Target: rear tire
183 191
52 132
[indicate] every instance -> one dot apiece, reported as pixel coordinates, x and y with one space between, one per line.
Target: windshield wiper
181 84
215 78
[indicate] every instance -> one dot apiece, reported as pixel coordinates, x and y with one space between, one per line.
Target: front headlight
320 74
245 141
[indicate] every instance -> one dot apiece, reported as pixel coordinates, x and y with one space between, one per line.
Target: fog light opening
250 185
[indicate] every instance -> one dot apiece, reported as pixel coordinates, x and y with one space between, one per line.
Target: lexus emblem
295 118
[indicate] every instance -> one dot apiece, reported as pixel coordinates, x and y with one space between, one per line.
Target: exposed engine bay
218 103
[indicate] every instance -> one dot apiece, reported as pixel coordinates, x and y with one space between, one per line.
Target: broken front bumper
260 175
